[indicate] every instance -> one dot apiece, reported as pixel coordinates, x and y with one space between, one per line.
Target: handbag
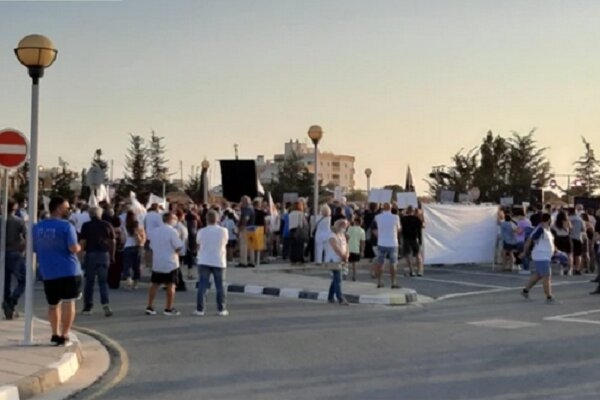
301 233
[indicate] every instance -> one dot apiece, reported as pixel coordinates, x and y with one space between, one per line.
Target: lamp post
368 173
36 52
315 133
204 180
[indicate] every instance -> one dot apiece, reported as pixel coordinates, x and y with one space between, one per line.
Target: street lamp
368 173
204 180
315 133
36 52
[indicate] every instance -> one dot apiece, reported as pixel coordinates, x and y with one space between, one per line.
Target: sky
391 82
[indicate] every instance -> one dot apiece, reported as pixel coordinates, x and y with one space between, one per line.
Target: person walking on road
15 261
212 260
98 241
543 250
56 246
135 237
387 227
166 245
336 254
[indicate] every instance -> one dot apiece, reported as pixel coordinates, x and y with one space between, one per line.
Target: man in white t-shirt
212 259
387 229
152 221
165 245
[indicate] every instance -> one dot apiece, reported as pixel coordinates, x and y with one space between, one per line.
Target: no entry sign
13 148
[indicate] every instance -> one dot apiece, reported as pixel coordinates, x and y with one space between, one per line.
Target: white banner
380 195
405 199
457 234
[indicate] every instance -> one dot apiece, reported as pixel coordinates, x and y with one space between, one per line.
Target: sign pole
3 232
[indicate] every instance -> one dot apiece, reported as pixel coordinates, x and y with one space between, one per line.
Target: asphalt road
488 345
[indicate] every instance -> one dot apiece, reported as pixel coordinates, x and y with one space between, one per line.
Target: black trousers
296 250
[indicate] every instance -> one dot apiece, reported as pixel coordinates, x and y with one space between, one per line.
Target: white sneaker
223 313
198 313
524 272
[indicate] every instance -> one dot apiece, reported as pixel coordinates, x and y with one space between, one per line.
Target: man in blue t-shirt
55 243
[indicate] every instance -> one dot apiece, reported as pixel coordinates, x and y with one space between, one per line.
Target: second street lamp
315 133
36 52
368 173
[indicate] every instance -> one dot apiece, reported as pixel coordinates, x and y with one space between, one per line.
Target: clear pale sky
391 82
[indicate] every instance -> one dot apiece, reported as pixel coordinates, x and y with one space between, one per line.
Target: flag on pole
409 186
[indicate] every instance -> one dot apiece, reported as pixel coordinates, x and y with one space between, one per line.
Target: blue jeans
15 266
218 274
95 265
132 260
336 286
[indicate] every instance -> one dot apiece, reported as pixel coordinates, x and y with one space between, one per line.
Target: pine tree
136 164
528 166
192 187
61 185
587 169
491 175
292 177
158 171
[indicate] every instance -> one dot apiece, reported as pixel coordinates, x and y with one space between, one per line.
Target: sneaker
525 294
524 272
395 286
87 311
344 302
597 291
8 310
63 341
251 266
171 311
150 311
198 313
380 285
129 284
107 311
223 313
550 300
55 339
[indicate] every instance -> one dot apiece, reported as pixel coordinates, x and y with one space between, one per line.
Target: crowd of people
81 247
540 235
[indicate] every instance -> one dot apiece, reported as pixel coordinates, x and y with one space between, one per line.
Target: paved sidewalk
286 281
29 370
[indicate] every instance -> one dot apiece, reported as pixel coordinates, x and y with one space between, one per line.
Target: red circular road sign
13 148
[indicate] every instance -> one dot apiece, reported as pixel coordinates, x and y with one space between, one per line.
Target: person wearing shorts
356 244
55 243
387 229
412 226
542 241
166 244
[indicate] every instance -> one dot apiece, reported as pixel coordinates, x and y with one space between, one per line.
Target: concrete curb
53 375
404 296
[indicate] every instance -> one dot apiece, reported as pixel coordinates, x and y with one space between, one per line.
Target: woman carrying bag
299 231
336 254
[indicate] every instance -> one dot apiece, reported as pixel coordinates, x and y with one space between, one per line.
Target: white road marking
464 294
482 285
502 324
573 317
